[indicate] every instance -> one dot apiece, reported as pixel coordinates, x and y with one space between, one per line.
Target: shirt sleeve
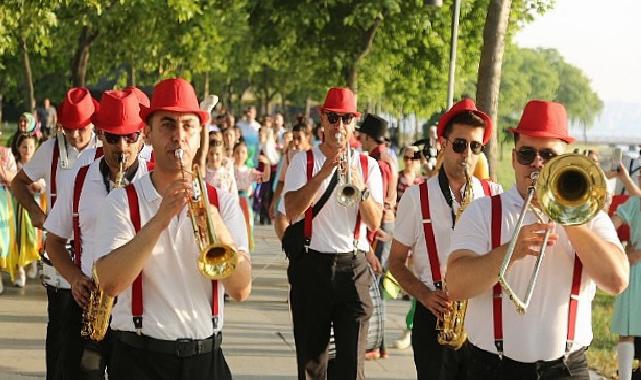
60 219
296 175
406 224
625 211
472 230
114 224
602 226
374 181
233 218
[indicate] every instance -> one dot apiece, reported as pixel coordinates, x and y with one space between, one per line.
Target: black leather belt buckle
189 347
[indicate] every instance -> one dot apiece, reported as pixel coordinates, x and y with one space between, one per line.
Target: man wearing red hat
330 280
427 231
52 162
549 340
75 214
167 323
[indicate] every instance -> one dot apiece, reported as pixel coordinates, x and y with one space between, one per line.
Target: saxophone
95 318
450 325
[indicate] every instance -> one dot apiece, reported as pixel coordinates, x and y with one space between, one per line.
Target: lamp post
454 38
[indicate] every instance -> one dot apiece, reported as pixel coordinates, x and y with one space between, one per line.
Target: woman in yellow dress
7 226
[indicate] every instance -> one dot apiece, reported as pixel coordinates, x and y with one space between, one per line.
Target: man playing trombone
463 132
547 337
330 280
168 321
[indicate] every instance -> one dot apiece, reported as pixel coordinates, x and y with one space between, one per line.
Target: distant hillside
619 121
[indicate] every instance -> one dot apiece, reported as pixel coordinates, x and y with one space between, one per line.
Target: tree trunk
350 71
206 86
308 106
0 114
80 59
131 75
29 96
489 75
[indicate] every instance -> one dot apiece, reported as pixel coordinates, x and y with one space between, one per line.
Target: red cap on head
119 113
544 119
143 99
76 109
174 95
340 99
463 106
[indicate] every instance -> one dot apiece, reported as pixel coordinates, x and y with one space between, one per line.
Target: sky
602 37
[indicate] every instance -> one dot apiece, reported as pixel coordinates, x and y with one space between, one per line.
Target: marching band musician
330 280
549 340
119 127
175 333
463 132
52 162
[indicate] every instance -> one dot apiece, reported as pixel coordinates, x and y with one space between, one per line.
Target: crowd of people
114 183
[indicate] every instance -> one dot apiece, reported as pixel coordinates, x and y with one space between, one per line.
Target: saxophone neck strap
444 184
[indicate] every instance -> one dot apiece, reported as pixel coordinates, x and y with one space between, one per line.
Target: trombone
570 190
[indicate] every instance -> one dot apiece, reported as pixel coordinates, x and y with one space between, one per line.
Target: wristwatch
364 194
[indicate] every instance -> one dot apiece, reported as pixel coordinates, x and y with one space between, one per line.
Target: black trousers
330 289
432 360
63 343
131 363
484 365
94 358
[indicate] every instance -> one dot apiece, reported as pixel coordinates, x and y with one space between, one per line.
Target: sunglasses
130 138
526 155
333 117
459 145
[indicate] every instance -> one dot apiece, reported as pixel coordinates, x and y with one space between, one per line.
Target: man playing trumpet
75 214
168 321
330 280
549 340
463 132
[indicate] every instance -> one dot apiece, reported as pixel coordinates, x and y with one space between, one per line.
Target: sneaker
405 341
373 354
21 278
32 270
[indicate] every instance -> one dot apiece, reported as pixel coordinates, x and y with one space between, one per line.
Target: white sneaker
32 270
21 278
405 341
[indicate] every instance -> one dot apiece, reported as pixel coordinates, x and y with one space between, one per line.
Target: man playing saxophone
549 340
75 214
463 131
168 321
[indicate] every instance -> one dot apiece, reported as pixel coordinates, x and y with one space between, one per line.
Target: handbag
294 240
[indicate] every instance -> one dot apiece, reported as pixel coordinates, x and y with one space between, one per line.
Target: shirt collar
513 197
148 189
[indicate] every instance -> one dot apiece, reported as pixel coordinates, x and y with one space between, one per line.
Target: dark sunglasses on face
333 117
130 138
526 155
459 145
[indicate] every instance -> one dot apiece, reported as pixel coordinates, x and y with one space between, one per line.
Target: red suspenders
136 291
77 190
428 232
308 212
497 296
54 170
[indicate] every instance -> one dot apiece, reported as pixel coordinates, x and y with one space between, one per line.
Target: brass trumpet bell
217 261
571 189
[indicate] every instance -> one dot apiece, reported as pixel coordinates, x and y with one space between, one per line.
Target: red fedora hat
340 99
119 113
76 109
174 95
465 105
143 99
544 119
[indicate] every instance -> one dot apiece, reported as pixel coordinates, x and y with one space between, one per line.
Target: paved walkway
258 341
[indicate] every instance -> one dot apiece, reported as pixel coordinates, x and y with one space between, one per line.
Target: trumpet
347 195
122 161
217 260
570 190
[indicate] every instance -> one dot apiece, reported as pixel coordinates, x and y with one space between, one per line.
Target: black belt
181 348
490 358
360 251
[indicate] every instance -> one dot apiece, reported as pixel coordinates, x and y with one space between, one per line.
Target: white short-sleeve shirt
541 333
40 166
408 229
93 195
176 296
333 227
